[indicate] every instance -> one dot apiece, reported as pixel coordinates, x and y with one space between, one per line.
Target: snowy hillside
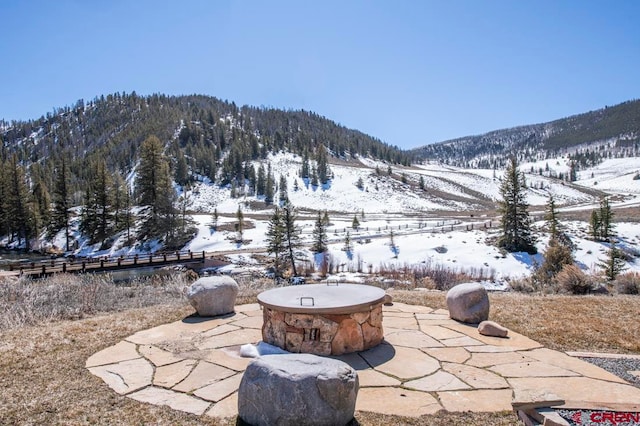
446 225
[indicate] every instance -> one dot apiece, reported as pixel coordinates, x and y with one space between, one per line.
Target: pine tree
268 190
214 219
606 220
595 224
325 219
516 226
283 195
182 169
360 183
421 183
551 217
154 189
97 211
239 225
348 247
355 223
323 165
275 241
19 204
292 234
614 264
261 181
320 240
61 214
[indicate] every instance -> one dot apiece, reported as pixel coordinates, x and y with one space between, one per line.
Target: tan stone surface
249 309
475 377
409 323
455 354
396 401
412 308
221 329
438 381
399 314
587 393
220 390
407 363
441 311
202 356
229 358
121 351
601 355
411 339
514 340
577 365
239 337
434 317
531 369
170 375
439 332
176 400
487 359
490 349
125 376
157 356
202 375
476 400
249 322
461 341
370 377
228 407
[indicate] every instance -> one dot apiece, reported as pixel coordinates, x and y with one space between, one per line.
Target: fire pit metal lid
322 298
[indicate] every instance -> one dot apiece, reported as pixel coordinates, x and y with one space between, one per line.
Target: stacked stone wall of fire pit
323 334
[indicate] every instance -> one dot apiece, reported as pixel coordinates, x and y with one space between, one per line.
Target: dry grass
562 322
43 379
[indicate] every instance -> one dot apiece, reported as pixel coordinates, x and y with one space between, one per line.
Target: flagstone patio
426 363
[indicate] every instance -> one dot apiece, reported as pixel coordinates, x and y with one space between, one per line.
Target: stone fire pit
323 319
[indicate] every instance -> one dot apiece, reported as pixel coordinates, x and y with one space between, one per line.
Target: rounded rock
468 303
491 328
297 389
212 296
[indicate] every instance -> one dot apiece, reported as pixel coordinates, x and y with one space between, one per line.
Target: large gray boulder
297 389
468 303
213 296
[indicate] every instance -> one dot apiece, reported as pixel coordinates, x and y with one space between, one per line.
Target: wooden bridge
105 264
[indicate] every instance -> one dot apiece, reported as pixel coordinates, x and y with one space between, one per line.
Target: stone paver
122 351
176 400
125 376
168 376
396 401
202 375
477 378
406 363
476 400
439 381
455 354
428 362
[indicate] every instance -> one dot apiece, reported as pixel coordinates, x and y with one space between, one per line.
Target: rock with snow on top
212 296
468 303
491 328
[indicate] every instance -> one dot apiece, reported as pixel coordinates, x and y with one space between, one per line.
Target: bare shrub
572 280
524 285
65 296
628 283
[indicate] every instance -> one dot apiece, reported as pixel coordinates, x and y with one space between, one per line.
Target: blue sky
407 72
